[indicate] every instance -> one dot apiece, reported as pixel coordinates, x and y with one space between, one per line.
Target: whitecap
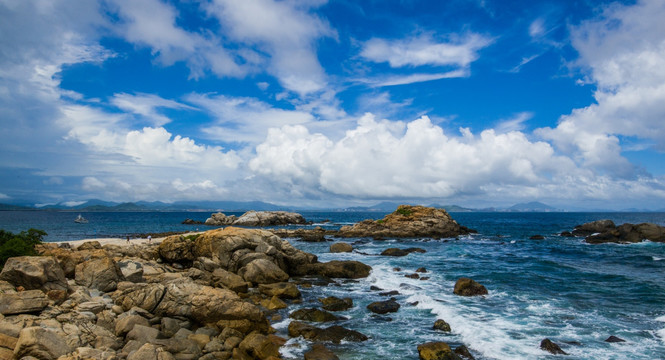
656 258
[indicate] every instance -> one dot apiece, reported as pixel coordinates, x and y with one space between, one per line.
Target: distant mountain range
239 206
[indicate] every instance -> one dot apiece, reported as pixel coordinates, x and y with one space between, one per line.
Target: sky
334 103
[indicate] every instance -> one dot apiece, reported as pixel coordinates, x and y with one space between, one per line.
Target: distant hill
387 206
100 205
10 207
533 206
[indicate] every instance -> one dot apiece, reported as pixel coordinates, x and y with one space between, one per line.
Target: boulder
614 339
23 302
142 334
441 325
408 222
464 352
34 272
126 323
275 303
283 290
629 233
40 343
189 221
229 280
469 287
333 334
593 227
313 315
259 346
7 342
401 252
551 347
269 218
220 219
177 249
340 269
383 307
436 350
341 247
262 271
320 352
89 245
151 352
332 303
102 274
131 270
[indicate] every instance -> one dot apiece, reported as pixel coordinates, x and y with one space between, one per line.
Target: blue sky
333 103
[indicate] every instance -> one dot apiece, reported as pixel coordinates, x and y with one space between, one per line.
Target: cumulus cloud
424 50
624 52
285 30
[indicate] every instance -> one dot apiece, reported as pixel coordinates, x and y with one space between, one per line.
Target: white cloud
514 124
424 50
414 78
240 119
147 105
625 52
4 196
285 30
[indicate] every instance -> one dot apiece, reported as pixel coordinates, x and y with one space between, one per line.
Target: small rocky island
605 231
257 218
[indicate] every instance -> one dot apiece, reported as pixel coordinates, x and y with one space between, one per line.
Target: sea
560 288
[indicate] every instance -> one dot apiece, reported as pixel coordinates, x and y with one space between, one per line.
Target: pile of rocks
208 297
605 231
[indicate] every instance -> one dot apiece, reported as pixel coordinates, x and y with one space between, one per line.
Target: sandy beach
122 241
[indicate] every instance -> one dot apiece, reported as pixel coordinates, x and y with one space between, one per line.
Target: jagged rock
412 276
274 303
320 352
142 334
34 272
340 269
313 315
89 245
7 342
283 290
91 306
341 247
629 233
23 302
401 252
40 343
464 352
262 271
536 237
219 219
230 280
177 249
421 270
614 339
436 350
125 324
131 270
383 307
332 303
102 274
408 222
441 325
469 287
259 346
333 334
151 352
189 221
269 218
69 259
317 234
593 227
551 347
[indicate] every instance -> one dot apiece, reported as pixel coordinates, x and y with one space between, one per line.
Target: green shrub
405 212
21 244
192 237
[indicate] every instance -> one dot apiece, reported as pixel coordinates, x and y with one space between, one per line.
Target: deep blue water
574 293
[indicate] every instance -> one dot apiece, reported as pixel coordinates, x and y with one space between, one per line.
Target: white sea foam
656 258
661 318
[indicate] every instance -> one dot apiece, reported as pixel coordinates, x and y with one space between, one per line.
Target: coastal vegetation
20 244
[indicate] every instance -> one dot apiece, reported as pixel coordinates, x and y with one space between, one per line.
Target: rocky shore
207 296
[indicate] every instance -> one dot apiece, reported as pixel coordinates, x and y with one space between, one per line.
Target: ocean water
573 293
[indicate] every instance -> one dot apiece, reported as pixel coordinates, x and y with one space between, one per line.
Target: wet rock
341 247
421 270
383 307
389 293
275 303
629 233
401 252
408 222
536 237
412 276
313 315
332 303
40 343
464 352
551 347
333 334
320 352
614 339
436 351
593 227
189 221
259 346
24 302
469 287
102 274
340 269
34 272
441 325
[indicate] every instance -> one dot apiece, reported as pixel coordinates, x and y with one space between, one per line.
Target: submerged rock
437 350
469 287
341 247
383 307
333 334
551 347
464 352
313 315
320 352
441 325
401 252
332 303
614 339
408 222
605 231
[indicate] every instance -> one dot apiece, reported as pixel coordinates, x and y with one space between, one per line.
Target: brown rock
468 287
89 245
102 274
262 271
551 347
34 272
40 343
341 247
340 269
401 252
177 249
333 334
464 352
269 218
320 352
313 315
125 324
23 302
332 303
7 342
441 325
259 346
274 303
408 222
283 290
383 307
436 351
220 219
151 352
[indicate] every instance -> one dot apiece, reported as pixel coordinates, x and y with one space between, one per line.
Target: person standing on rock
149 239
127 239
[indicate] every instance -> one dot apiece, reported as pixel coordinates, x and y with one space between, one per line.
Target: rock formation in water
605 231
257 218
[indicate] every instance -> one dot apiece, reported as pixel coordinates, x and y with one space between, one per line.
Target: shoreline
121 241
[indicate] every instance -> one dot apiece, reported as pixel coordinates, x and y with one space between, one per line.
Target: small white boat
81 220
